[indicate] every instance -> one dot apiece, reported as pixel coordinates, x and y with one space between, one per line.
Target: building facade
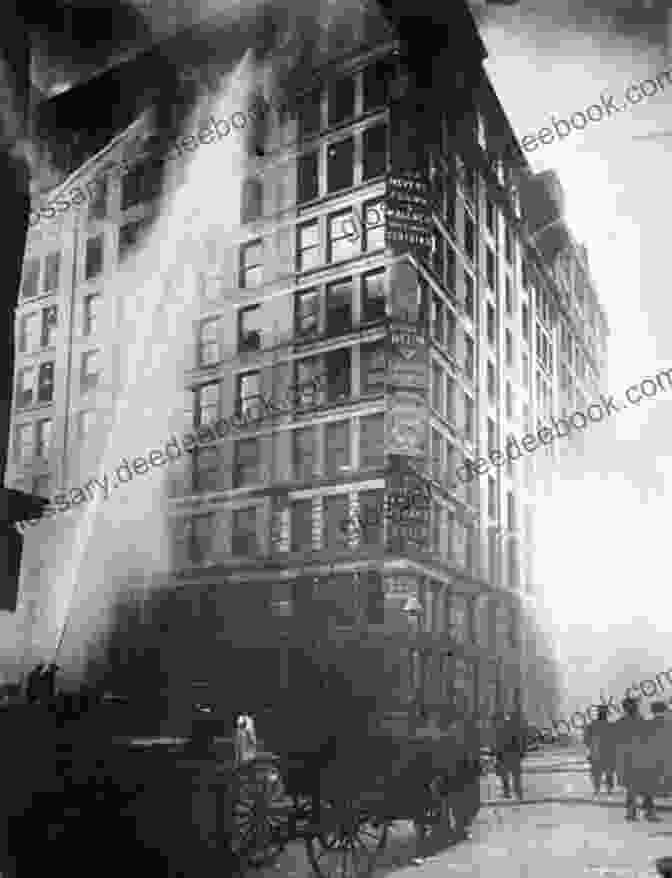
389 247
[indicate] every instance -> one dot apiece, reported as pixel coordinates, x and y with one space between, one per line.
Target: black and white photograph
332 438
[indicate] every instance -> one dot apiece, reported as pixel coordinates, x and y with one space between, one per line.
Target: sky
602 535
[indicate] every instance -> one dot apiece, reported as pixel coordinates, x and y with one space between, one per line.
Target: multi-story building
383 247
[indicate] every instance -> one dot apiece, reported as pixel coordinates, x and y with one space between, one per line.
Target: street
559 830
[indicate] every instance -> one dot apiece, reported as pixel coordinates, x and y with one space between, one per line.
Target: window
91 308
251 205
509 400
45 383
307 371
492 497
450 400
98 204
249 329
375 152
309 113
337 449
307 246
468 417
437 255
437 514
373 296
510 511
492 436
374 225
49 326
451 331
24 443
207 404
246 463
438 399
251 264
208 472
339 308
208 344
90 373
31 275
491 323
436 442
509 347
29 338
141 183
438 312
376 79
244 540
338 374
336 514
469 356
341 243
490 215
302 525
307 313
525 366
492 381
469 295
469 241
458 620
371 442
51 271
129 235
303 450
508 295
94 257
508 248
341 99
307 179
490 267
43 443
450 265
86 421
373 367
340 165
371 517
248 393
480 132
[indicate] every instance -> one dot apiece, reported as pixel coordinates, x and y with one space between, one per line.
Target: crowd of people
632 752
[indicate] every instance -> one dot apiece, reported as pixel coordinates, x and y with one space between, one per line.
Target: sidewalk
554 841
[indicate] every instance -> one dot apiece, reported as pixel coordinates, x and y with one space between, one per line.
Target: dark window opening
340 165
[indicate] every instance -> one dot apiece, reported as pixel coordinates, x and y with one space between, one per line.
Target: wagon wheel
347 843
259 814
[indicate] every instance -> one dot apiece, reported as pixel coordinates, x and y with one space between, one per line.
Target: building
408 277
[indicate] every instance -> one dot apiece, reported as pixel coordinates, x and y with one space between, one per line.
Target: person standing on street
600 751
509 752
630 734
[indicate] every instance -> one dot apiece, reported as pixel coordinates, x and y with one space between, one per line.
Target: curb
566 800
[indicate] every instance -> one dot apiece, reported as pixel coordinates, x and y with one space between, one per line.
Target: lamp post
414 611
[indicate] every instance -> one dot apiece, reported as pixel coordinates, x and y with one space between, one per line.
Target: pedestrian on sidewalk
630 735
600 750
509 751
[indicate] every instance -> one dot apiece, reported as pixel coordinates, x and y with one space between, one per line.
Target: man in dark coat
630 734
597 738
509 751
